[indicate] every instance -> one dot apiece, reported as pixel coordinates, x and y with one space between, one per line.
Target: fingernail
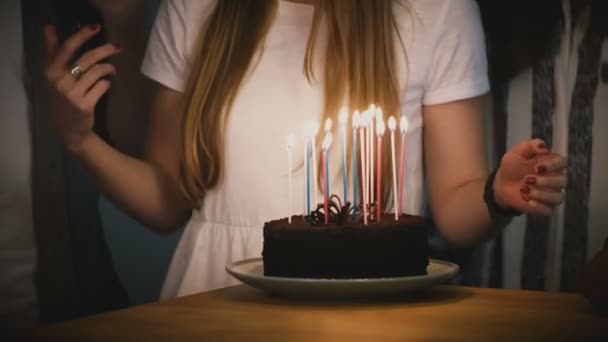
94 27
524 189
541 169
542 145
530 180
117 46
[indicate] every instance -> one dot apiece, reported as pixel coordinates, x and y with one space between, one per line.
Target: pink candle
325 206
403 129
372 135
380 132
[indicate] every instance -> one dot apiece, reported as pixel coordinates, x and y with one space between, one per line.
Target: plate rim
451 272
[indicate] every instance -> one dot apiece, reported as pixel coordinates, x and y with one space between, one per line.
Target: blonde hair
359 70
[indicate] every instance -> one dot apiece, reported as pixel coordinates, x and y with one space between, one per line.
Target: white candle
392 125
356 123
342 121
403 128
290 140
380 133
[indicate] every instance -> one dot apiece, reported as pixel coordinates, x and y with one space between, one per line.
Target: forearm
136 186
462 216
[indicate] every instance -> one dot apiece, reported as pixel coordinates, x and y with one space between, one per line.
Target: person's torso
276 99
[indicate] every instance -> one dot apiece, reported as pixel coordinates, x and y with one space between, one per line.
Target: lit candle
380 127
362 135
403 129
290 140
307 132
392 125
326 145
314 129
372 135
342 121
307 164
356 123
367 120
327 129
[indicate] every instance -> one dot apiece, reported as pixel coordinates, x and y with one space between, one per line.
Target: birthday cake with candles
345 248
344 241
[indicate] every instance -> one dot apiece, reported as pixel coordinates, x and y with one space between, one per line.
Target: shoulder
187 13
435 15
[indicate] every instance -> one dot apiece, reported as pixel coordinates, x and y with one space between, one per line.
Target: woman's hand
73 97
531 179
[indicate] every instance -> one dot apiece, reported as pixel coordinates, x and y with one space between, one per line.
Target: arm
454 141
146 189
529 179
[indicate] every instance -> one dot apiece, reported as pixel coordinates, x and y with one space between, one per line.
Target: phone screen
69 17
72 15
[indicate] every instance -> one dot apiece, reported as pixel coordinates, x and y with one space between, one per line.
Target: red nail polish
542 146
530 180
541 169
525 197
94 27
524 189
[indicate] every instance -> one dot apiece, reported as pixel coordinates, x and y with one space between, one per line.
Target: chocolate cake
346 250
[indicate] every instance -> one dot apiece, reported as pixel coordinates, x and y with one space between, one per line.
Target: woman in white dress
234 77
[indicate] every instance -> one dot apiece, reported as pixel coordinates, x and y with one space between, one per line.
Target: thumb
50 43
530 148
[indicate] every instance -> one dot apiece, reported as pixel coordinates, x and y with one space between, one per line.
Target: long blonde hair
359 69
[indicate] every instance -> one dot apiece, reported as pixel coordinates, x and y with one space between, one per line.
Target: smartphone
69 16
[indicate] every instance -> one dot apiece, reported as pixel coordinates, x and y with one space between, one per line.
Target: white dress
445 62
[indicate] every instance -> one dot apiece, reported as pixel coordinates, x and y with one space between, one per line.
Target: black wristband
496 211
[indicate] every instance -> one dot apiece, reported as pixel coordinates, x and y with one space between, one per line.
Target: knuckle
58 86
107 49
108 68
84 107
104 84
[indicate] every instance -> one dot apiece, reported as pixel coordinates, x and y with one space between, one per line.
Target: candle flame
365 118
343 116
403 124
379 114
310 129
327 141
328 125
356 119
392 123
290 140
380 127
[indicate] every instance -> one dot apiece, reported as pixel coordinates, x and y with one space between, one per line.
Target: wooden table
446 313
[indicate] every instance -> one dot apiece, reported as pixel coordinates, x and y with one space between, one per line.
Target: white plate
251 272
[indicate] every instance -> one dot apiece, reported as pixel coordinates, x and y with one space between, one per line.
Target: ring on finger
77 71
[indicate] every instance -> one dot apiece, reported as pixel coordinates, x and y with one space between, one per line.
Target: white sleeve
165 59
459 67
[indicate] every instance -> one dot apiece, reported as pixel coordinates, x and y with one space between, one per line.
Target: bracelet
496 211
